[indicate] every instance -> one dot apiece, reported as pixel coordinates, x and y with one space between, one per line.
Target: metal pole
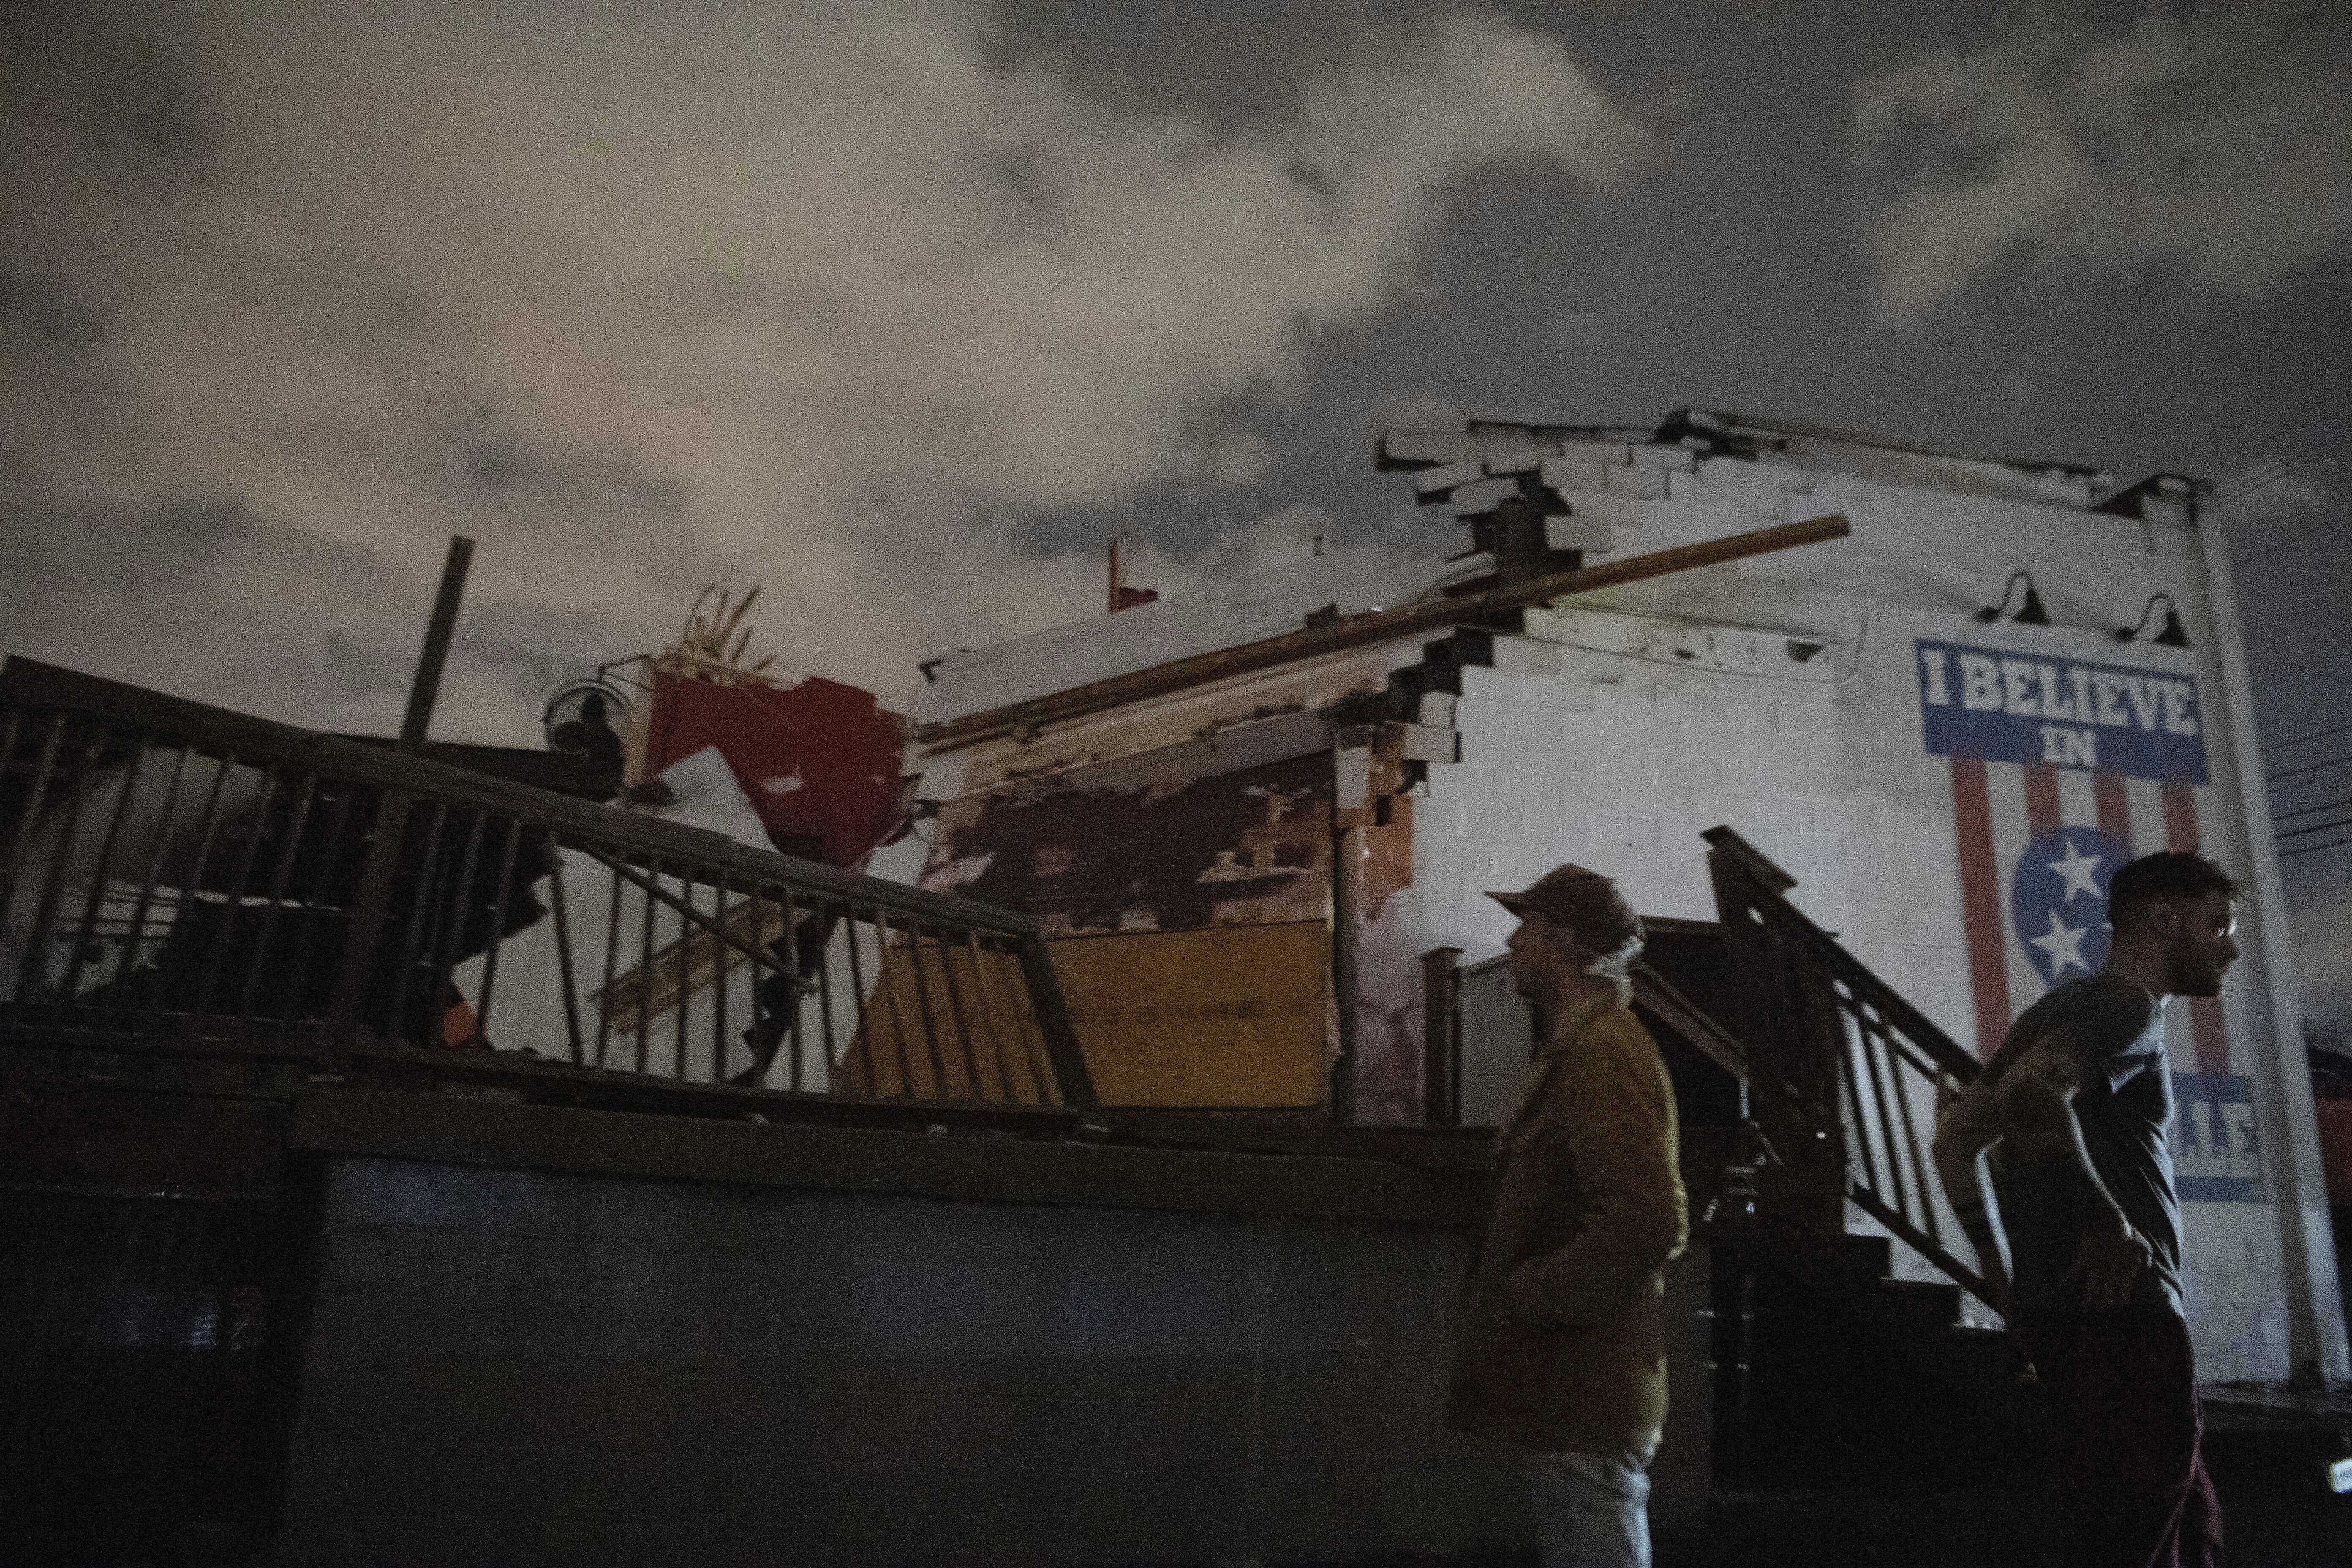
427 688
1347 913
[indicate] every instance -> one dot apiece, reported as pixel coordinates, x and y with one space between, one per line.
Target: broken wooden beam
1358 631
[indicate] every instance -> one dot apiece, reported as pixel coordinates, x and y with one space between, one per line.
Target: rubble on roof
818 761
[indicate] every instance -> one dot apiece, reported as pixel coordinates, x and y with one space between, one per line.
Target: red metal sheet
819 760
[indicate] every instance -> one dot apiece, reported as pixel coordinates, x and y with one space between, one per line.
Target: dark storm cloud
110 546
836 298
508 469
109 79
39 315
2217 143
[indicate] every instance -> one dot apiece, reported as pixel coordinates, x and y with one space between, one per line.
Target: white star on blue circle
2058 901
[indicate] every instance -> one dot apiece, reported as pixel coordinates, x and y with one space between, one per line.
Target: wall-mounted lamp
2029 611
2172 636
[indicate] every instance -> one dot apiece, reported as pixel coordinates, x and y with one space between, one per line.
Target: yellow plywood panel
1225 1017
949 1021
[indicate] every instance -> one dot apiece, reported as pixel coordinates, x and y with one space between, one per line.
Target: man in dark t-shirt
2114 1031
2074 1116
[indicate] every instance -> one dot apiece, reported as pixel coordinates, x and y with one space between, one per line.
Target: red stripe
2041 798
2115 809
2205 1027
1980 903
2180 818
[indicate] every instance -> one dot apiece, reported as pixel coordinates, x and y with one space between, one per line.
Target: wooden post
1069 1063
1794 1039
1347 916
425 688
1441 1036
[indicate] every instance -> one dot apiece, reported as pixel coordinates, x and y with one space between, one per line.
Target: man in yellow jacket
1562 1350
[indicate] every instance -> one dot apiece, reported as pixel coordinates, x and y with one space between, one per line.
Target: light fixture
2172 636
2029 611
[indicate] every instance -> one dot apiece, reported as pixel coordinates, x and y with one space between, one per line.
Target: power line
2317 827
2315 457
2281 778
2280 467
2316 734
2315 848
2251 556
2315 810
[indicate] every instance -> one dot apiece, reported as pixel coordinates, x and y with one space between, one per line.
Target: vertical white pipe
2293 1168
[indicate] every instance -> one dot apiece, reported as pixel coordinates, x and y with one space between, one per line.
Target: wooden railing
1849 1074
172 873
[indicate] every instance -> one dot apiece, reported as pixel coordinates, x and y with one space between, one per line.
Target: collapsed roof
1582 481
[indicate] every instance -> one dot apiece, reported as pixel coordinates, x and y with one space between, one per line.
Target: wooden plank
681 969
1359 631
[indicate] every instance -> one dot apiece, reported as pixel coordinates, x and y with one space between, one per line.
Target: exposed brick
1565 474
1526 656
1650 484
1483 496
1618 511
1427 446
1668 459
1586 533
1429 481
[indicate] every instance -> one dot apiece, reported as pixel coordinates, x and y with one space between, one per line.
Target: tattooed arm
2035 1100
1968 1128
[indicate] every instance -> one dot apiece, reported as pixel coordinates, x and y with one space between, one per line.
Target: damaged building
1933 739
426 1154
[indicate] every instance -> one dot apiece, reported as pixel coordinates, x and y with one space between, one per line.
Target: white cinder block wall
1618 763
1782 696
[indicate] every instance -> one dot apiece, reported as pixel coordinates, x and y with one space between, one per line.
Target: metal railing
171 872
1882 1069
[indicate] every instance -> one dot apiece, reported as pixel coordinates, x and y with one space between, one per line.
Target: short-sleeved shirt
2114 1030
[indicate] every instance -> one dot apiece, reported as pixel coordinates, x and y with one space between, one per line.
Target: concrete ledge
455 1130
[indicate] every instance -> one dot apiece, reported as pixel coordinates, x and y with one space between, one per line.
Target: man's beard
2190 979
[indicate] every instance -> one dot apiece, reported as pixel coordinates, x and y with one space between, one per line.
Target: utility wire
2317 827
2280 467
2279 778
2316 734
2251 556
2313 457
2315 848
2316 810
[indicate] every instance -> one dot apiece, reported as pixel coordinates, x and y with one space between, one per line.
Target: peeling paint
1250 847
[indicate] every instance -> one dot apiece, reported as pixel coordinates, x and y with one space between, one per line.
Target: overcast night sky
903 309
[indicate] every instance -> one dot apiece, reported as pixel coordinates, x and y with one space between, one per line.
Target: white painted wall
1619 760
1617 753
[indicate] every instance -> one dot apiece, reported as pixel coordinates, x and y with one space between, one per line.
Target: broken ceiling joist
1358 631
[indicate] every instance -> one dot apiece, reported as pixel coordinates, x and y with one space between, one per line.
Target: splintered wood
682 968
702 646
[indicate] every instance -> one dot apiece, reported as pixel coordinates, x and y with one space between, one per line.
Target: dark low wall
826 1345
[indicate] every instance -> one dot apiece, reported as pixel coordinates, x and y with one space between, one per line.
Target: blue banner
2014 708
2215 1159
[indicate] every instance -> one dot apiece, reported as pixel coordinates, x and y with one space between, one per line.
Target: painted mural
2024 734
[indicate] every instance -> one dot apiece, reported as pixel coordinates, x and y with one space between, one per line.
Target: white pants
1591 1509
